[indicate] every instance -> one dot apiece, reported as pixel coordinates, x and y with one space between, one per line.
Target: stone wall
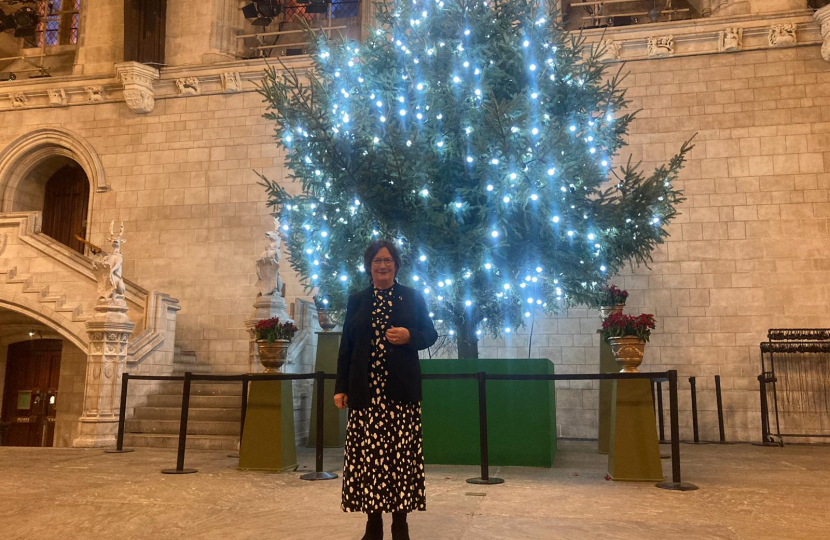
746 253
70 400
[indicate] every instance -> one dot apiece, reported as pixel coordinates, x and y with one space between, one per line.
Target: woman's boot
400 529
374 527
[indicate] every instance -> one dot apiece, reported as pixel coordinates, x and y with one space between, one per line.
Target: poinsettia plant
611 295
622 325
271 330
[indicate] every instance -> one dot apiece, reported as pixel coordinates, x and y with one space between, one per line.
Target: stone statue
95 94
730 39
107 268
268 265
781 35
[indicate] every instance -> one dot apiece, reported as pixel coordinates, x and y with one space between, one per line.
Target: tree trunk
466 338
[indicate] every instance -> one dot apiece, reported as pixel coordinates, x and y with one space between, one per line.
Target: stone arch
47 148
72 331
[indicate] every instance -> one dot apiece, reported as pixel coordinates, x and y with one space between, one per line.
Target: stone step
172 427
181 369
184 357
194 442
196 401
201 388
174 413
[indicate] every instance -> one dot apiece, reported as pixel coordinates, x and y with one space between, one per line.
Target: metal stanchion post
183 429
319 473
695 431
482 430
766 436
721 429
122 418
660 420
676 483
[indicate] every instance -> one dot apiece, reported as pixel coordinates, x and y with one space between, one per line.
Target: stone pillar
109 329
822 16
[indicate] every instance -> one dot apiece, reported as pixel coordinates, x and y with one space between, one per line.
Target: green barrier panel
521 415
334 420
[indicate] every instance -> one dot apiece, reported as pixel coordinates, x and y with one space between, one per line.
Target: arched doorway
57 172
65 204
30 393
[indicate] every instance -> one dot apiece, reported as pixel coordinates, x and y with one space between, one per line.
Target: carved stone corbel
57 98
231 82
782 35
19 100
822 16
660 46
138 85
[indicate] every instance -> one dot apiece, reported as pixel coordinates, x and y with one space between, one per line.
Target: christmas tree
480 137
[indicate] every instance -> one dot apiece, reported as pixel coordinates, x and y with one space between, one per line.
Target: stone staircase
213 419
41 294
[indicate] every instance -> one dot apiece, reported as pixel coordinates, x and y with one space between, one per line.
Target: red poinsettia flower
620 325
271 330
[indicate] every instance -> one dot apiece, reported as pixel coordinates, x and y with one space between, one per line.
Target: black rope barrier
481 378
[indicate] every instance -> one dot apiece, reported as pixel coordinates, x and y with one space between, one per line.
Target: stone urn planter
628 352
607 311
324 320
273 355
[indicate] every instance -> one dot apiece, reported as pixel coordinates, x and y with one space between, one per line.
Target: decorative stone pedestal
633 452
334 420
109 330
268 436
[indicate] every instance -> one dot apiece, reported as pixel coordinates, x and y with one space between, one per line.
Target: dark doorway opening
31 392
65 204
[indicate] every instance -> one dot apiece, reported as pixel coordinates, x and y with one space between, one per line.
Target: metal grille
796 378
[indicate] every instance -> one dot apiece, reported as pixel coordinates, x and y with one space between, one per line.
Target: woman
379 379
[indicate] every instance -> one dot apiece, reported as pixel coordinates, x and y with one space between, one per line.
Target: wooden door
31 392
65 206
144 30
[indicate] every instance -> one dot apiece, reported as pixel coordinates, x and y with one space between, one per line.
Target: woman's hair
373 249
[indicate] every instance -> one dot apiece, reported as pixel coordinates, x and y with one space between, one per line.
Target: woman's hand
397 335
341 401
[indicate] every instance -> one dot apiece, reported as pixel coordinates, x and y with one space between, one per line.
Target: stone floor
746 492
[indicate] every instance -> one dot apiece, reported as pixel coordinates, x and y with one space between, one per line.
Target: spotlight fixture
262 11
654 12
25 21
7 76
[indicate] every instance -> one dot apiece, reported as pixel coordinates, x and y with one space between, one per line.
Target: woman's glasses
385 262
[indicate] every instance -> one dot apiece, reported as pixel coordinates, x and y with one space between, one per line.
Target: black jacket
402 363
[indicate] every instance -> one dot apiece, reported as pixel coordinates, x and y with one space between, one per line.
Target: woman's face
383 268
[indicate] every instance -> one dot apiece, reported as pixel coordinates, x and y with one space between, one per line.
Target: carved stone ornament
107 268
231 82
610 50
95 94
188 86
57 98
268 264
660 46
19 100
822 16
782 35
138 85
730 39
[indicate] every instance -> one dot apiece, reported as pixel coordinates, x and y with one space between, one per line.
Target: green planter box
521 415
